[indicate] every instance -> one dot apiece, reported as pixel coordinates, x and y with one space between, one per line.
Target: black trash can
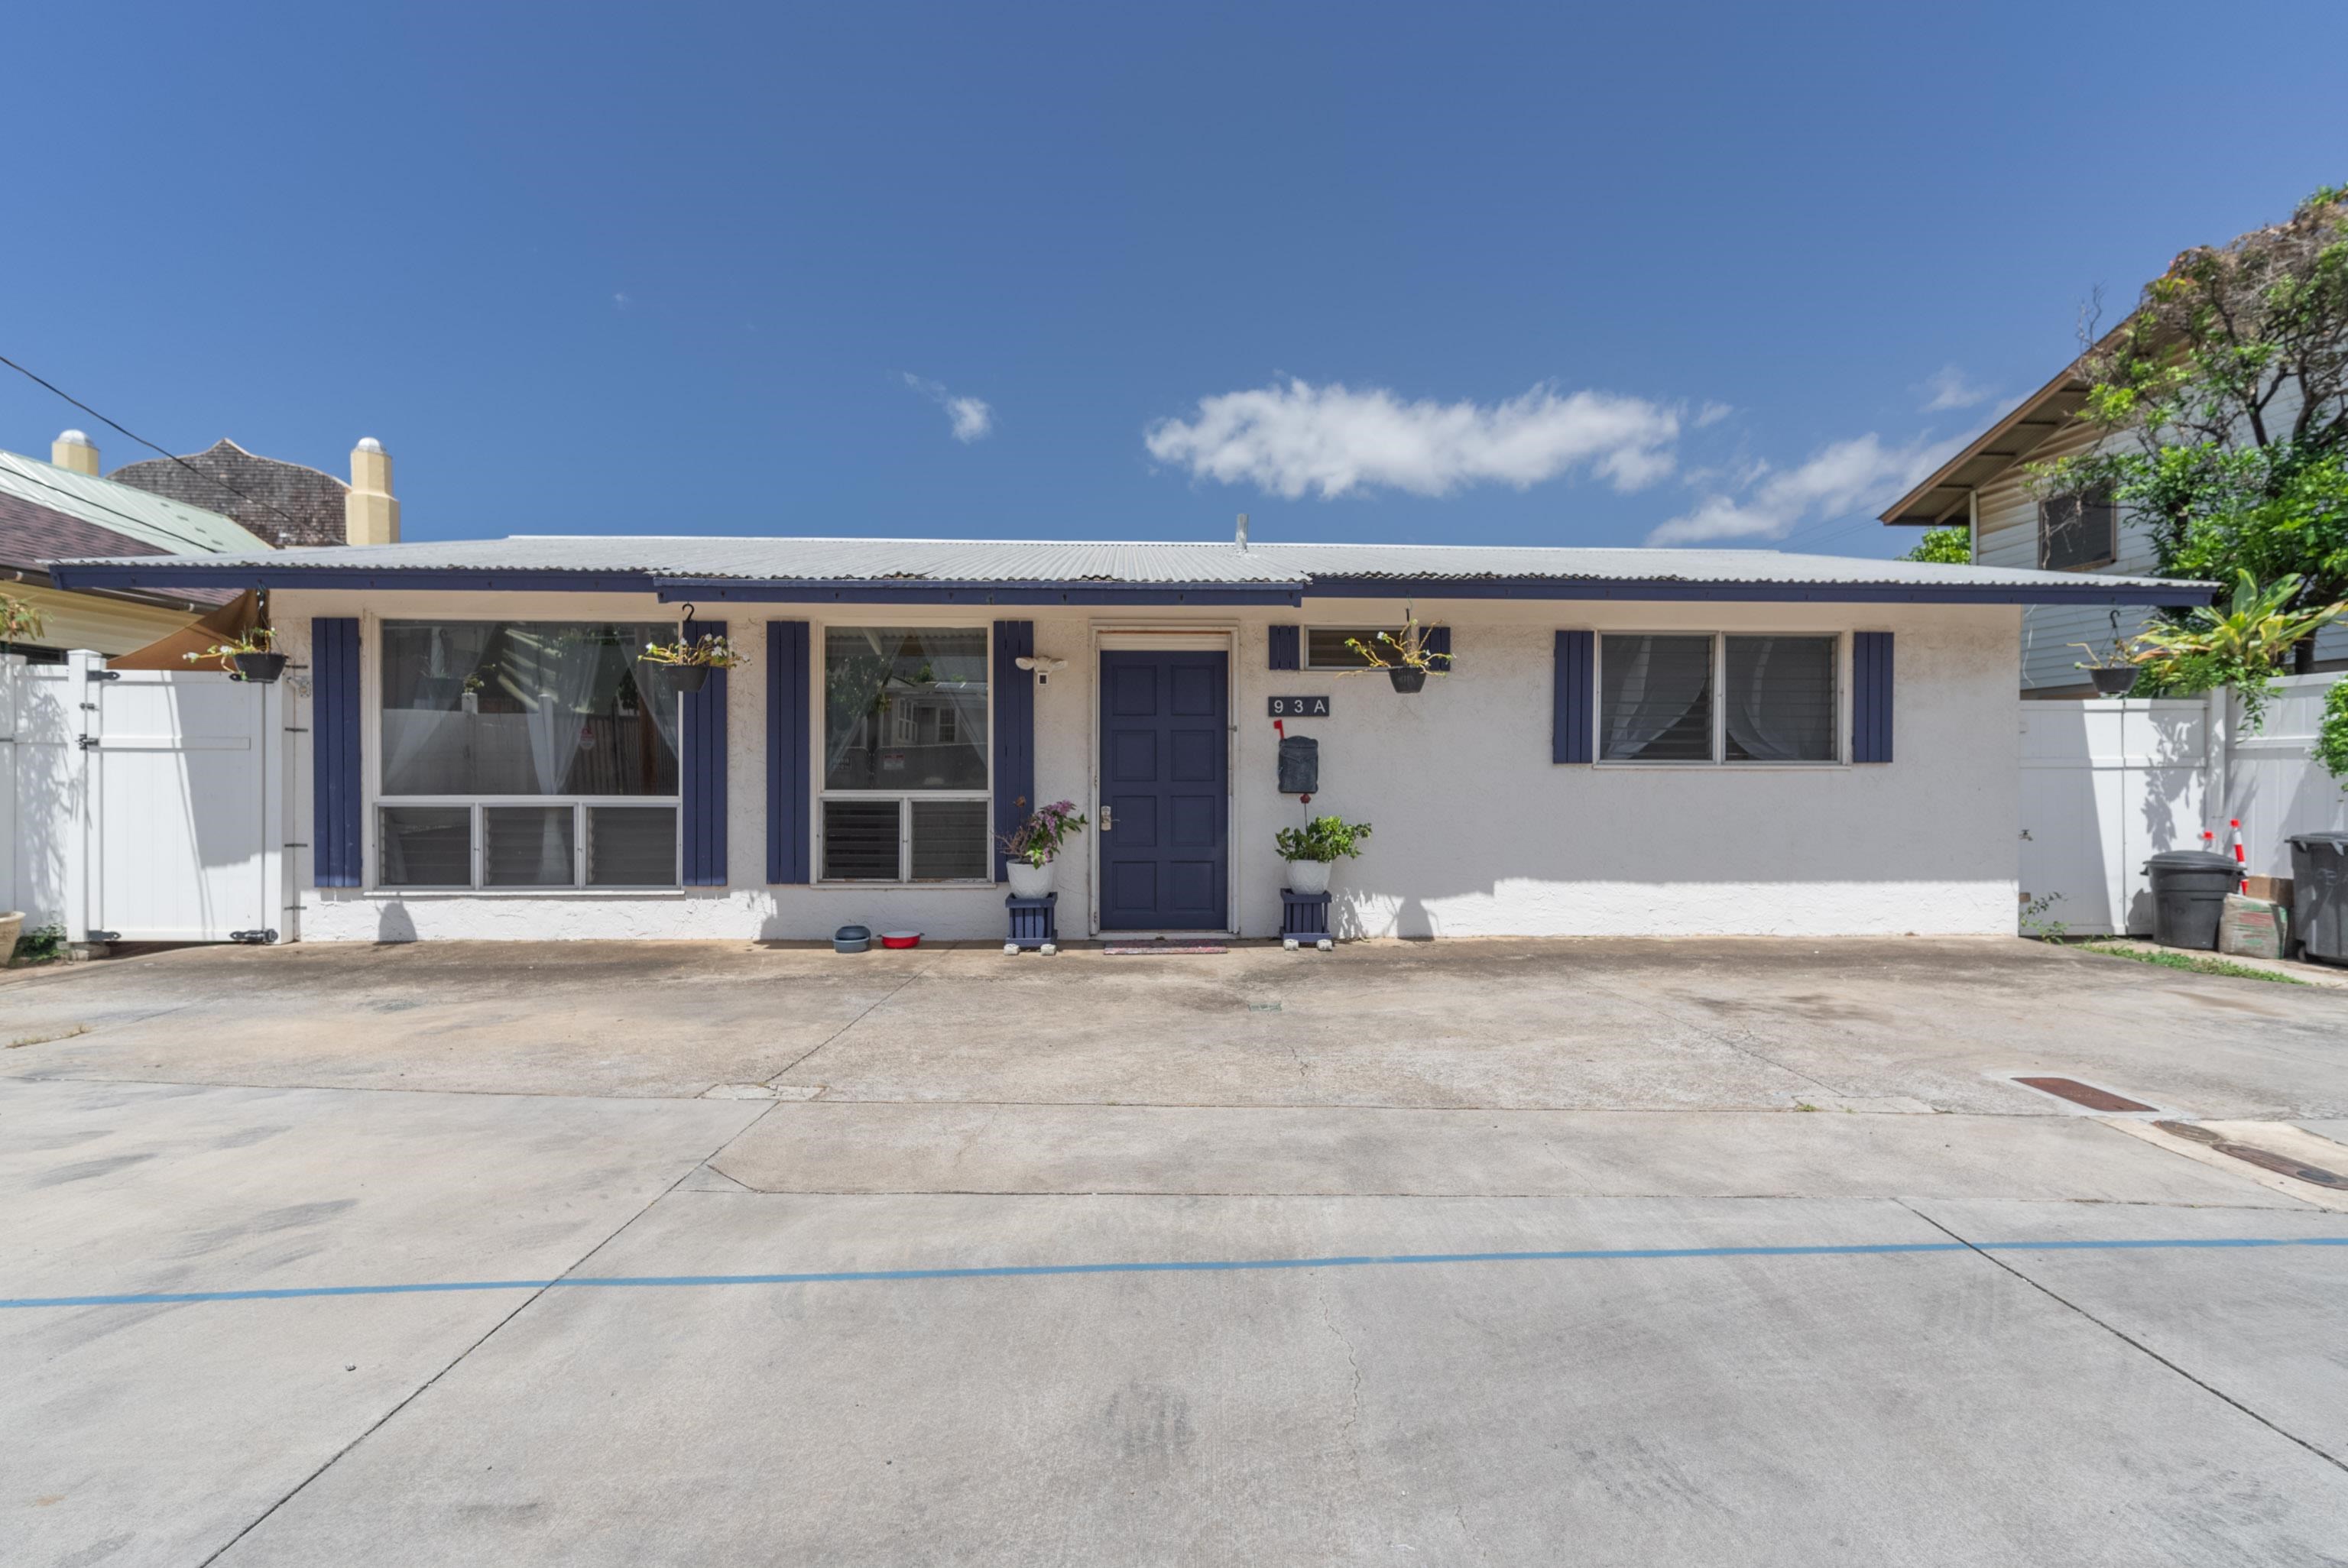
2189 895
2319 894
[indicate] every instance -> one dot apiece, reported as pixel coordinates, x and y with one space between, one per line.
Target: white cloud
1294 438
1947 388
972 418
1711 413
1849 477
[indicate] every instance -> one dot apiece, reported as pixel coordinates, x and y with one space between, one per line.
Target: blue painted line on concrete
1209 1266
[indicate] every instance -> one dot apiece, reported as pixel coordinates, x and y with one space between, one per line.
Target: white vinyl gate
142 805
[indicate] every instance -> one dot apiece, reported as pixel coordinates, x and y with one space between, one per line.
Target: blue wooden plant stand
1035 923
1305 917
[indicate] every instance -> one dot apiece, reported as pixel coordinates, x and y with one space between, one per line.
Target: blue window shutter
336 790
1870 696
1014 731
701 768
788 738
1573 697
1438 641
1283 647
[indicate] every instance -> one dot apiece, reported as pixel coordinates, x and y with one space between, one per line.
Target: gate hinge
106 935
103 674
253 938
87 743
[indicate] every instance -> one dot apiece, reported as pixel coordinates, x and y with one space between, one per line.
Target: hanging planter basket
2115 681
688 676
1406 679
264 667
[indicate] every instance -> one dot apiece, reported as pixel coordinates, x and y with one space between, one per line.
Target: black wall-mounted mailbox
1300 765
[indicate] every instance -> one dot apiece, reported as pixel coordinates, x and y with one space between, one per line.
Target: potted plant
18 621
1402 655
1034 844
689 660
1312 851
253 656
2114 673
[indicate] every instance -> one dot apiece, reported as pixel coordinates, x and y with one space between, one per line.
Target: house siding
2007 535
1478 832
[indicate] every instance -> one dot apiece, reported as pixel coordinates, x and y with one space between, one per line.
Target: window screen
1655 699
1779 700
425 845
1324 646
860 841
2078 530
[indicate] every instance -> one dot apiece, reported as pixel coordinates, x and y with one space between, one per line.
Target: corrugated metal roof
1111 563
151 519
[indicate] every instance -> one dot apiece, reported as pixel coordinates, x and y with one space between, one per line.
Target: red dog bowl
901 938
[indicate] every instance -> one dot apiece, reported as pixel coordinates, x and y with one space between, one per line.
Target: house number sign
1299 707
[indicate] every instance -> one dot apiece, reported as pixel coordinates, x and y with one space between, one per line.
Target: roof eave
159 572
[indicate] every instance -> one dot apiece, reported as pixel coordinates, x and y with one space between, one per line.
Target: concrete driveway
1488 1252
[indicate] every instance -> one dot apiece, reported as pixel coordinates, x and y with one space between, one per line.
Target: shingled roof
286 503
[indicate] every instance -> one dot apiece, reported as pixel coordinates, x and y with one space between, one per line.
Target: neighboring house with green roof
58 509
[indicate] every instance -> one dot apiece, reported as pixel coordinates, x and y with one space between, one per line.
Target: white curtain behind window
1652 683
566 682
426 746
1780 699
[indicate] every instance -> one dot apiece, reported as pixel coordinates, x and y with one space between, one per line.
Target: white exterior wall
1477 832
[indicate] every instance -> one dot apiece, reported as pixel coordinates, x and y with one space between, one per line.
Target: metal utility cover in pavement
2086 1094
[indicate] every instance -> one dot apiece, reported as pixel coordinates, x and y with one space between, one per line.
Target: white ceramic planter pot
1030 881
1308 875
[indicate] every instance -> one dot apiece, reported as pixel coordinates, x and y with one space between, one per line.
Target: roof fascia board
463 580
865 591
2087 591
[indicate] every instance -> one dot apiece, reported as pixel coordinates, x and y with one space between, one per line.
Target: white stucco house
1629 741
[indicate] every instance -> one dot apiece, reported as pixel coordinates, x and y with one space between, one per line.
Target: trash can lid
2333 841
2191 860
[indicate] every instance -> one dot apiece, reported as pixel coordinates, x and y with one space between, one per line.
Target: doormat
1129 950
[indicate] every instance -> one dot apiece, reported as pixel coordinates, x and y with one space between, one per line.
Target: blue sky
1541 274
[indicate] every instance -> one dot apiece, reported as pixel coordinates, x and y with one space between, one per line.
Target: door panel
183 799
1165 747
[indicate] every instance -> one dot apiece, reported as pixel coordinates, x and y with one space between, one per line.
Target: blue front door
1165 846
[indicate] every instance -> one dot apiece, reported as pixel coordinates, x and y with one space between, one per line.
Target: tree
1945 547
2228 387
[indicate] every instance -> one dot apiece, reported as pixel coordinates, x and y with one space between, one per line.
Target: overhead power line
133 435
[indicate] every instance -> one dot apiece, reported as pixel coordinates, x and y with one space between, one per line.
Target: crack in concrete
1354 1401
876 1003
2128 1339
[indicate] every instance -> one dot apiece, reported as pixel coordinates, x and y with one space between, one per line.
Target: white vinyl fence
2108 781
142 805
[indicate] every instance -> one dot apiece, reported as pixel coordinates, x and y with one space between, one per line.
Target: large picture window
906 754
1706 698
525 755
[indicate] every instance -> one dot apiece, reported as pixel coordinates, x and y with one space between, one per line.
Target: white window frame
372 685
820 643
1720 758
